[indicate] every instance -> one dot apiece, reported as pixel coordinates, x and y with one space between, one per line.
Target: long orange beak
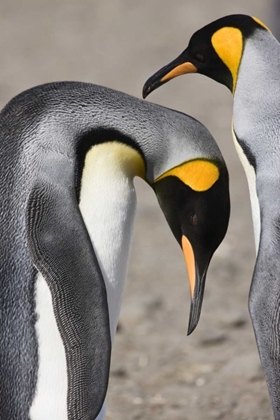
177 67
184 68
197 283
190 262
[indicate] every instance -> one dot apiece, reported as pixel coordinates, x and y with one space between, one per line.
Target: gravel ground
157 371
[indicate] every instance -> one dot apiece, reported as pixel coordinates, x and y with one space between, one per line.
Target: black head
195 201
215 51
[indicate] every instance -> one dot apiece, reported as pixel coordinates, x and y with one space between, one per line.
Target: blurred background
157 371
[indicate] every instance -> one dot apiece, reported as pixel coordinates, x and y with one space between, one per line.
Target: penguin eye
199 56
193 220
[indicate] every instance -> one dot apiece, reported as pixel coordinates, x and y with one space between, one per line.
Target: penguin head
216 51
194 198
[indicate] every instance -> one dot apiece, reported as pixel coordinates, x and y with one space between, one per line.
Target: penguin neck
255 115
256 98
107 205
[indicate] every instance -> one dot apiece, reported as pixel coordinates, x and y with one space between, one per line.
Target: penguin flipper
264 305
61 250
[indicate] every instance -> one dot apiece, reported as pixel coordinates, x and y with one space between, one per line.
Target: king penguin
69 153
240 52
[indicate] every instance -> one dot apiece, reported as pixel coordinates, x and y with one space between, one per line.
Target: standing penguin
240 52
69 153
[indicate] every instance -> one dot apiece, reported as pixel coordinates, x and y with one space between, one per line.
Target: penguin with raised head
240 52
69 153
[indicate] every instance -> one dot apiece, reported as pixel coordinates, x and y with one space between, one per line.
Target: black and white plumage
240 52
69 153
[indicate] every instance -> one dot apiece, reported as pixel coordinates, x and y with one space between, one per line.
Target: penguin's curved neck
107 205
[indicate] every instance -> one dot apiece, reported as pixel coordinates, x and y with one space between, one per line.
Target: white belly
50 401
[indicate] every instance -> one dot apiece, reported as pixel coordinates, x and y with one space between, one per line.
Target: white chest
251 179
108 204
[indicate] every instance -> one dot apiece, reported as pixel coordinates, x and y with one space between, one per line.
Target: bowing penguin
240 52
69 153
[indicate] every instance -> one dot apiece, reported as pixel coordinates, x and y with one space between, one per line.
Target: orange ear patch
200 175
228 44
261 23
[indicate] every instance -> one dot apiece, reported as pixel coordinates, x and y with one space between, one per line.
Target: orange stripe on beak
190 262
179 70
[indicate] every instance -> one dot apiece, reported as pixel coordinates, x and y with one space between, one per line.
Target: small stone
143 360
200 382
235 321
238 322
119 328
257 376
176 406
119 373
153 305
157 400
216 414
213 339
137 400
233 403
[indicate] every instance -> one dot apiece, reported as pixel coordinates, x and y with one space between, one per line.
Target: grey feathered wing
62 251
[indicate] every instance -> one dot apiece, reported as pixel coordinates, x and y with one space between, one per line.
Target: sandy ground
157 371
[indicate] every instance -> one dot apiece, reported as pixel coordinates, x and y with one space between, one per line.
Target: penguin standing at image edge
240 52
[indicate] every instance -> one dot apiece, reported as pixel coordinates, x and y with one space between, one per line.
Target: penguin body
240 52
69 152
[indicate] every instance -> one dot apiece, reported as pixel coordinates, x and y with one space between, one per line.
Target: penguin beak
197 276
176 68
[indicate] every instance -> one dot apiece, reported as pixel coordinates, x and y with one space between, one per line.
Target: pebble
235 321
157 400
119 373
213 338
137 400
119 328
143 360
200 382
216 414
153 305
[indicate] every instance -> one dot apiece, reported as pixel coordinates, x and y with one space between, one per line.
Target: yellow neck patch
228 44
199 175
260 23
